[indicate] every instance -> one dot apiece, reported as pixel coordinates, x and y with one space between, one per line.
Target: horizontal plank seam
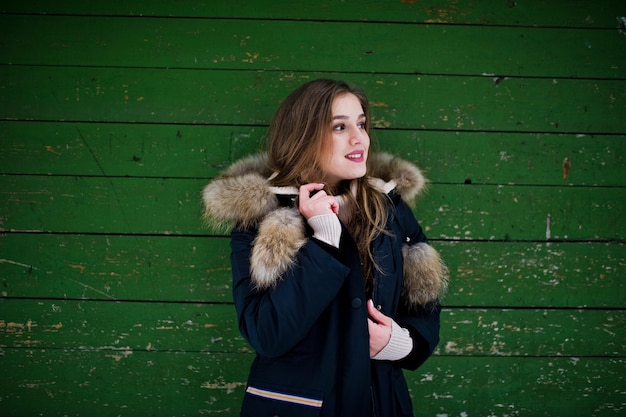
308 20
216 352
204 236
282 70
230 303
251 125
116 300
208 178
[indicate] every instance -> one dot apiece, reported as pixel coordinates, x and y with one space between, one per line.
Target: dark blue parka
301 304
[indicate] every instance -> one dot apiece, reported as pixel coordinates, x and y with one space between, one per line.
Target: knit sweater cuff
399 346
326 227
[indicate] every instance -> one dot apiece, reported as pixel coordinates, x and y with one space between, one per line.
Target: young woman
334 283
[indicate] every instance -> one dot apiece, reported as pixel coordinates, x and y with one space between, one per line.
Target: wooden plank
102 205
493 332
197 269
192 384
457 386
128 327
251 45
521 213
510 158
250 98
580 13
203 151
520 274
172 206
123 327
123 150
101 267
75 383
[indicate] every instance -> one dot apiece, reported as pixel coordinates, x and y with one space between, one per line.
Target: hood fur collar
242 194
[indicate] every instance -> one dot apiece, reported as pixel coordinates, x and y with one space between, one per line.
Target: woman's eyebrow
347 117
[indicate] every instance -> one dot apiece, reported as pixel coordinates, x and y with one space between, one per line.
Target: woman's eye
341 126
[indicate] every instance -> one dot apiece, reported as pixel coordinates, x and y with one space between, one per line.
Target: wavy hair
296 139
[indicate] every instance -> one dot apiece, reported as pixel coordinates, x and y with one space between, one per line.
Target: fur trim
280 237
240 195
425 274
408 178
252 164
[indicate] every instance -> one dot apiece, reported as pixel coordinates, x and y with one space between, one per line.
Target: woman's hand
379 327
319 203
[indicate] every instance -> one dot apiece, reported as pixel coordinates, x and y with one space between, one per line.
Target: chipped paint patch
79 267
89 287
10 262
428 378
621 26
230 387
251 57
222 385
118 354
381 123
567 164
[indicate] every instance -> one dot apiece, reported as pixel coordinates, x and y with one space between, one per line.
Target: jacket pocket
263 401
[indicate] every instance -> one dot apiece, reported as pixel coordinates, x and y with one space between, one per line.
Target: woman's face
346 158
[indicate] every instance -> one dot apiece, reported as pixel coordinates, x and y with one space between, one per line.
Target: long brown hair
296 139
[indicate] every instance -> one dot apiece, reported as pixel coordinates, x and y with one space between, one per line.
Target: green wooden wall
115 298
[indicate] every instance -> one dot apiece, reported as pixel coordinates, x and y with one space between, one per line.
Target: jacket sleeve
274 320
423 324
425 277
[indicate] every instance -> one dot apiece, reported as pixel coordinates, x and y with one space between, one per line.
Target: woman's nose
356 136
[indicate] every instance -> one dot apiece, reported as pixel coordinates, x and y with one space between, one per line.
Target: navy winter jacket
301 305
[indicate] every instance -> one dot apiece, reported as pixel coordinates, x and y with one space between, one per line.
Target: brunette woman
335 285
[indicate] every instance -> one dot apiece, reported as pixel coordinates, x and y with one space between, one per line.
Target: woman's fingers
379 327
318 203
373 312
379 336
307 189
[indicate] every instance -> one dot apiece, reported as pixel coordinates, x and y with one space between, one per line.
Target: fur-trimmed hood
225 201
242 195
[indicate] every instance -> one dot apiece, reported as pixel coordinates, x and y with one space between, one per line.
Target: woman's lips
355 156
